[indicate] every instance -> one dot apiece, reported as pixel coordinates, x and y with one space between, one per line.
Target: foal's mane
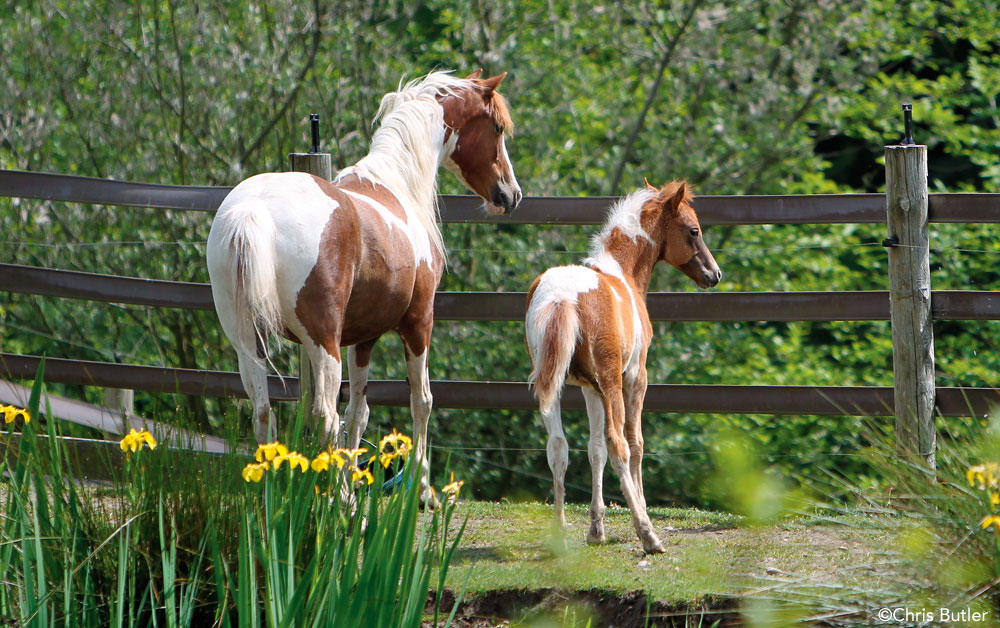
625 214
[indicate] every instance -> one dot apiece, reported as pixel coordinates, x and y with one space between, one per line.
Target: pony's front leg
597 451
358 357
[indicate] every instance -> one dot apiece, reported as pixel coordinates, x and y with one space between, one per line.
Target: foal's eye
694 232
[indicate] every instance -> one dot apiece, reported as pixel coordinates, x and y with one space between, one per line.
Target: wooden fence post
319 164
910 298
121 400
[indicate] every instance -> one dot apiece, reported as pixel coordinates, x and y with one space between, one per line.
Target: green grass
708 554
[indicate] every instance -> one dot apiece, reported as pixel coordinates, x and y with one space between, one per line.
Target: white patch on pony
624 215
420 241
409 147
561 284
564 283
298 211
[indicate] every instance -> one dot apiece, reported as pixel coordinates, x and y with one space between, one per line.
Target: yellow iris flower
358 474
254 471
135 439
393 446
992 520
294 458
983 476
12 413
453 488
270 451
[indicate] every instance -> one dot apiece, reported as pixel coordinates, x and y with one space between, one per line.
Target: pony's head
476 119
681 244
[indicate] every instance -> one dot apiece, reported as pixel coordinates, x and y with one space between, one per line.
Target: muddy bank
605 609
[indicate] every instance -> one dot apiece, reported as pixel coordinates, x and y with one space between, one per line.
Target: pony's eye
498 128
694 232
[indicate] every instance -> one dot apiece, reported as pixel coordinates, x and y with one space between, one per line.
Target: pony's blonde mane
407 149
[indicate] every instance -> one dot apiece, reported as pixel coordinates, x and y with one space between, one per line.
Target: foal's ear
492 83
678 197
475 74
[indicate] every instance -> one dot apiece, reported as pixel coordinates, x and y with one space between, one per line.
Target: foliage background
744 97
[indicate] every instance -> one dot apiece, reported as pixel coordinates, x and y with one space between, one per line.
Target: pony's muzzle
507 197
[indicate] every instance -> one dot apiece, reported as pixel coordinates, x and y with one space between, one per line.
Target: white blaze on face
509 187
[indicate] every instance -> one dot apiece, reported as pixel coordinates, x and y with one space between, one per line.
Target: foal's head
681 243
477 115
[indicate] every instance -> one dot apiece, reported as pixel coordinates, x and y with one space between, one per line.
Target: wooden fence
710 306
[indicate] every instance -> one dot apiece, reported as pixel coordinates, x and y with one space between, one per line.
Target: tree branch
668 55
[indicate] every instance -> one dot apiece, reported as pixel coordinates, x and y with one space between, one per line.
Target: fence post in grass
319 164
910 297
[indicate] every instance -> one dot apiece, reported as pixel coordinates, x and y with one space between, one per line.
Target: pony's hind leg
253 373
357 412
421 403
557 449
328 374
597 451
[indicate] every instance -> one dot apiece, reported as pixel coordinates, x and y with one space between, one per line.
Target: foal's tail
242 265
552 329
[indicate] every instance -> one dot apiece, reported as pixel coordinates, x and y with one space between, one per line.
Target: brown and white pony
339 264
588 325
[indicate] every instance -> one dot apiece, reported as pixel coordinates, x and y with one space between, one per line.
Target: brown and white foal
588 325
339 264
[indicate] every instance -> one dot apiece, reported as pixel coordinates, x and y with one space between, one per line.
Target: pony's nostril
498 198
517 197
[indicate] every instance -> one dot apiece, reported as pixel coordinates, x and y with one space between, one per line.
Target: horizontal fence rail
870 305
712 210
819 400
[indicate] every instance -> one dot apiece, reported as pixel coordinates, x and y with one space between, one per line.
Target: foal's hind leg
614 411
357 412
558 455
635 394
597 451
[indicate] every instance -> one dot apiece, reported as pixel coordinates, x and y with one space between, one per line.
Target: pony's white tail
242 266
552 329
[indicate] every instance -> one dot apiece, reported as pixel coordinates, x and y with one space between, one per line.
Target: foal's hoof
557 545
653 548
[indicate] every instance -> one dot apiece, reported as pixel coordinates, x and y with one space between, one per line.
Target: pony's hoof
429 500
596 539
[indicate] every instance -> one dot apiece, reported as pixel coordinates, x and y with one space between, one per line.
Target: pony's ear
649 185
475 74
492 83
